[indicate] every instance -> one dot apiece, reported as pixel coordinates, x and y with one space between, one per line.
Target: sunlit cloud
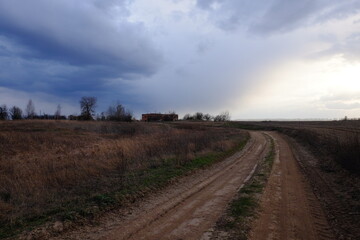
306 89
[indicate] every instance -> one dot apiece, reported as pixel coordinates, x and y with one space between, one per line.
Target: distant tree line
16 113
116 112
199 116
88 104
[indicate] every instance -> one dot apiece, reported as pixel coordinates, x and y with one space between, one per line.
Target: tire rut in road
190 214
289 208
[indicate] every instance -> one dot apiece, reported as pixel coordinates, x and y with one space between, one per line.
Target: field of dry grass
45 166
338 140
328 155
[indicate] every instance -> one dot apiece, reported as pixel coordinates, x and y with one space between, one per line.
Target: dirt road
289 209
188 209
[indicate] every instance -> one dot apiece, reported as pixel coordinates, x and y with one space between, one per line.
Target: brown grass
44 164
338 140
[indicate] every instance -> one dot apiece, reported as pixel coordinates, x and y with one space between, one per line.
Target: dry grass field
338 140
328 154
48 169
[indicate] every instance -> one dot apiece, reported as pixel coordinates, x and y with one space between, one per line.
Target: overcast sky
256 59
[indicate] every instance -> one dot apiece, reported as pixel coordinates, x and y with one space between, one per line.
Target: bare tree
198 116
88 105
4 115
30 110
58 112
222 117
207 117
119 113
16 113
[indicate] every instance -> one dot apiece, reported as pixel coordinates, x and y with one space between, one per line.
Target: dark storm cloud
272 16
62 46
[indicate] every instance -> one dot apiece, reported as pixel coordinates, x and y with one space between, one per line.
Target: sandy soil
186 210
289 209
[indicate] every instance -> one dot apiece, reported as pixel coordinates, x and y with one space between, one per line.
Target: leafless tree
88 105
4 115
222 117
58 112
16 113
198 116
118 113
207 117
30 110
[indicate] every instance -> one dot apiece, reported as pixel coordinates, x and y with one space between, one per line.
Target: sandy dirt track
289 209
192 213
189 208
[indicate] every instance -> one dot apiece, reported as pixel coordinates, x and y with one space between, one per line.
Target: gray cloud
272 16
170 56
348 47
78 33
232 14
344 101
284 15
338 10
341 105
39 39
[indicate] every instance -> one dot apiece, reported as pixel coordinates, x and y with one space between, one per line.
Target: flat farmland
68 170
179 180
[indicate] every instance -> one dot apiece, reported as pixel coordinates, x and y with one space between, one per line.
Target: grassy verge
134 185
242 210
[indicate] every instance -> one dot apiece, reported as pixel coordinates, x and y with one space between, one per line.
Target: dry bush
44 164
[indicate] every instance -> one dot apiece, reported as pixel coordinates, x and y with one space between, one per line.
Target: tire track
289 208
192 213
338 204
189 208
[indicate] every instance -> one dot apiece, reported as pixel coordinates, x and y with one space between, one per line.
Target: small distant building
158 117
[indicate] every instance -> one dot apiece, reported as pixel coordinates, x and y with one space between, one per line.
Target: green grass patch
243 208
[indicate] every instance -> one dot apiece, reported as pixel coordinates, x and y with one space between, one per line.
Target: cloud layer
66 46
170 55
